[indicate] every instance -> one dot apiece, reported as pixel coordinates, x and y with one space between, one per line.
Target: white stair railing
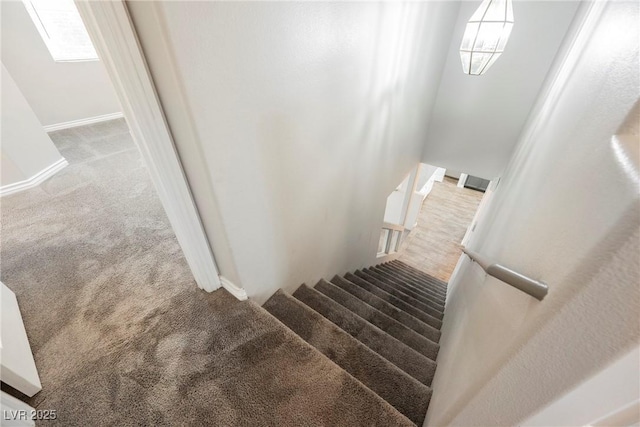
390 239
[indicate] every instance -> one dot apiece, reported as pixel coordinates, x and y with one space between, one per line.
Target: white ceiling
476 120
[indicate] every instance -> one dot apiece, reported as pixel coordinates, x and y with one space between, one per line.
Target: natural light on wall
62 30
486 35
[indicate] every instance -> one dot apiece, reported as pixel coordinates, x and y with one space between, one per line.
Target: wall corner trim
234 289
82 122
35 180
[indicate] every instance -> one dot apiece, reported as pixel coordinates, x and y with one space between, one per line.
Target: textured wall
294 122
567 212
586 404
57 91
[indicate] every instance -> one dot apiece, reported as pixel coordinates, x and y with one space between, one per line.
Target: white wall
426 174
26 149
404 209
424 184
477 119
294 122
393 210
58 92
606 397
567 211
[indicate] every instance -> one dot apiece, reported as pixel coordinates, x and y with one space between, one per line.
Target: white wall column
27 154
409 193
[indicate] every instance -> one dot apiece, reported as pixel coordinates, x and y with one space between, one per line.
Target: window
62 30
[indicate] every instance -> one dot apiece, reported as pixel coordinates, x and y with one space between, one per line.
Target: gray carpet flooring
381 325
122 336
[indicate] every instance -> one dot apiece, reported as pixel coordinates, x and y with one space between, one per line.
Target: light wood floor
434 245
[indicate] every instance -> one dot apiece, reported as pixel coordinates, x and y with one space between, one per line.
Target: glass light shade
486 35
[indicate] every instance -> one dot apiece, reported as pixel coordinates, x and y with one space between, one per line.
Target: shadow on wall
326 172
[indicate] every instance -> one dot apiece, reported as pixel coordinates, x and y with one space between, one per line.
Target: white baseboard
233 289
38 178
82 122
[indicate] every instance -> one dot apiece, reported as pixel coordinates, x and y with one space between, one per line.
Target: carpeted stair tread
420 284
375 279
267 350
409 283
417 284
439 284
391 299
432 281
418 272
435 301
392 327
422 278
403 392
404 357
390 310
211 349
402 287
406 288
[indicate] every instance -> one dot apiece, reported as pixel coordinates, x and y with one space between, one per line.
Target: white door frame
116 42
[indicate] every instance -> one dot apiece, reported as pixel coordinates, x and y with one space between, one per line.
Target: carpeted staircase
380 324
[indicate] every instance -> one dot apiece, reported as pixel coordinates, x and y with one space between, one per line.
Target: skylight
62 29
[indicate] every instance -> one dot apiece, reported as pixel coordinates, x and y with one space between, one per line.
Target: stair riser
410 361
392 327
422 284
408 308
435 301
420 275
390 310
375 279
375 372
400 295
400 286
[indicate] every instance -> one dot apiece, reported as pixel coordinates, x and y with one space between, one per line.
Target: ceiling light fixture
486 35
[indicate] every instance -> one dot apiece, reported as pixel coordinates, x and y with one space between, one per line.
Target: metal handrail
535 288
